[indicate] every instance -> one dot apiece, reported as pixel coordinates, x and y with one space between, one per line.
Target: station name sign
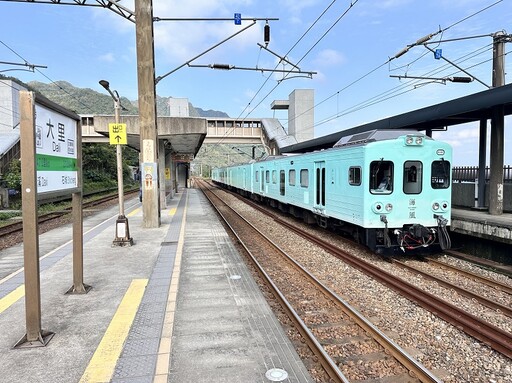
56 151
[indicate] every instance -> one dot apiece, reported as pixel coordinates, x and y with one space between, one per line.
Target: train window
304 178
440 174
256 176
291 177
267 176
354 175
413 177
381 177
274 176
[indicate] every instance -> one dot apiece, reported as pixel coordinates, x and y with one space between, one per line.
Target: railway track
487 281
506 310
16 227
496 338
339 336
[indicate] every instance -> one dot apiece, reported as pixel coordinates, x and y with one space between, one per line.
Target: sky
350 45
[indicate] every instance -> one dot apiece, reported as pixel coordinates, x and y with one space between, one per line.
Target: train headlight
444 205
435 206
380 208
413 139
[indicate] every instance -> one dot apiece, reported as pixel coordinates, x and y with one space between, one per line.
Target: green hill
88 101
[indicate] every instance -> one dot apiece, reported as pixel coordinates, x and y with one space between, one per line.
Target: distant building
301 117
9 122
178 107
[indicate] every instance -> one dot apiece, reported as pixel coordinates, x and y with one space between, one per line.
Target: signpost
117 134
51 165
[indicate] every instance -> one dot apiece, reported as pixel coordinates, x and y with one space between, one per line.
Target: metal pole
119 155
122 228
79 287
35 336
122 237
497 130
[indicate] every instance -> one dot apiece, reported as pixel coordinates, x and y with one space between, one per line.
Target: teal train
388 189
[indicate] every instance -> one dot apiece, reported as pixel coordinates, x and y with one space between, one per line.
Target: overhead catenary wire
289 51
269 76
388 95
89 107
421 41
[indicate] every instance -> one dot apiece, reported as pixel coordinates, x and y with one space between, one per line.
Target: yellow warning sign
117 134
167 173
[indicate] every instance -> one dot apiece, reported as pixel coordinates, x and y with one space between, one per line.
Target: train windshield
440 174
413 177
381 177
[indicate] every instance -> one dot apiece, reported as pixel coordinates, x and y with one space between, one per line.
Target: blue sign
438 54
238 19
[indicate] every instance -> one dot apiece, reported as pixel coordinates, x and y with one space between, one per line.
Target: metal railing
470 173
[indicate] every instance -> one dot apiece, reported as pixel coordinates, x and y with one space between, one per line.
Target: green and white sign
56 151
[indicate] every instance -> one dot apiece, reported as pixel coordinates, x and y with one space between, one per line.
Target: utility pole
147 113
497 129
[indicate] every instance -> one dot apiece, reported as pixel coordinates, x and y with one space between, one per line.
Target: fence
470 173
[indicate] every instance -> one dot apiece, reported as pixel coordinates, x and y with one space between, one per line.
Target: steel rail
484 301
15 227
490 282
416 368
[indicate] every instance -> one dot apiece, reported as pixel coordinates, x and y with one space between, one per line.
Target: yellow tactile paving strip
11 298
103 362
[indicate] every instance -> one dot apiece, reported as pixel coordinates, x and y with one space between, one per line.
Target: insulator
266 34
424 39
222 66
461 79
402 52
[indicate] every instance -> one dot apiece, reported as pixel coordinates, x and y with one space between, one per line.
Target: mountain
88 101
211 113
80 100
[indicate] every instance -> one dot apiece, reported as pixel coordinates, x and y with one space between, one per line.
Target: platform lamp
122 228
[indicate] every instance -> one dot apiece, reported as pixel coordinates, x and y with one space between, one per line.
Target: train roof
373 136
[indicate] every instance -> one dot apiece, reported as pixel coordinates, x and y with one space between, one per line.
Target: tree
13 175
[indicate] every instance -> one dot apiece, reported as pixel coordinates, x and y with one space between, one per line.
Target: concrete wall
463 195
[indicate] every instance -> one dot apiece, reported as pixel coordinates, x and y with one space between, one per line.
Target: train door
262 179
282 182
320 184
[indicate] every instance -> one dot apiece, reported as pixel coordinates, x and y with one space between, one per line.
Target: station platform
481 224
177 306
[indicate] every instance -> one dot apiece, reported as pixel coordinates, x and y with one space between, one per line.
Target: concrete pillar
161 172
301 116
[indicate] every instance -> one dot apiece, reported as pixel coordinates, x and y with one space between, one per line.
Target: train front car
408 203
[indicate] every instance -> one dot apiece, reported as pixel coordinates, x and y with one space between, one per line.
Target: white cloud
329 57
107 57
